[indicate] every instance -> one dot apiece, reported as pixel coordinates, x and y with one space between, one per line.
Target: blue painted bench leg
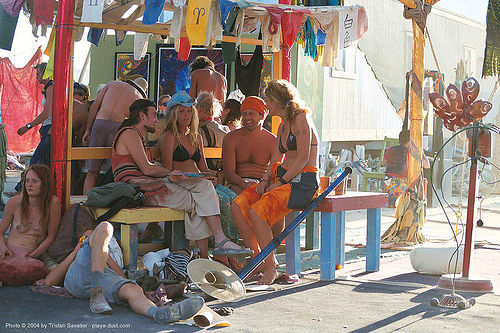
373 239
179 240
293 246
129 236
340 238
328 246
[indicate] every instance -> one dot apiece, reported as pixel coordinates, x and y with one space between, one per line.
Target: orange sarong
270 206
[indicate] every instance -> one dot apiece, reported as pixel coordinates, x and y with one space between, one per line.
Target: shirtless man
246 151
79 121
107 112
204 77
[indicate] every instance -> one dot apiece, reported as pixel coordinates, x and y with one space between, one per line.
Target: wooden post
416 114
60 105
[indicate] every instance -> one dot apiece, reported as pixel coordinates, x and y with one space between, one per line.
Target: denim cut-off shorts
77 280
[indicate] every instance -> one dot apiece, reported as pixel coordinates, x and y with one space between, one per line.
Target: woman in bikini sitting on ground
182 149
33 217
286 185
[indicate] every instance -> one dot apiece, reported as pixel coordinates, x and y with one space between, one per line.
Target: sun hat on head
182 98
254 103
140 84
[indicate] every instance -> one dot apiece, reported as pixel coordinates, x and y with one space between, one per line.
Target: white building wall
355 105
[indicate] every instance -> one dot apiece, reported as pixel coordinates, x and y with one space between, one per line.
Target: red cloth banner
20 102
44 11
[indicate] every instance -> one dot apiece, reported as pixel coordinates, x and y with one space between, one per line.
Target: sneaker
182 310
98 303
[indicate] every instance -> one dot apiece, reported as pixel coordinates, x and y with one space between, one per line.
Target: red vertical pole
471 206
61 98
286 59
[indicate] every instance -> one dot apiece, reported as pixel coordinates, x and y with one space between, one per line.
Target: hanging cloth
8 28
184 49
248 76
275 17
328 22
229 49
225 7
12 7
44 12
266 35
20 102
94 36
92 11
140 45
291 24
197 20
178 3
213 31
348 26
119 37
176 25
152 10
309 40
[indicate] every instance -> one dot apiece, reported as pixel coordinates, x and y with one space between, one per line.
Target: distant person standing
396 163
109 109
204 78
42 151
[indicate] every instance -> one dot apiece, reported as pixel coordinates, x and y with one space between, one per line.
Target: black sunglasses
165 103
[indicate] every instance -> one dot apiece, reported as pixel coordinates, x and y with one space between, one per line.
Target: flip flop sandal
222 252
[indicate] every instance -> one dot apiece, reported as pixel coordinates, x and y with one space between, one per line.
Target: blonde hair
287 97
173 117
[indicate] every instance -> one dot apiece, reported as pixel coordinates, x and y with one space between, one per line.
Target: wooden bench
129 218
332 232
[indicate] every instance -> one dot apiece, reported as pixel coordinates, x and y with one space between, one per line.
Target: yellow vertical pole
416 114
70 126
277 75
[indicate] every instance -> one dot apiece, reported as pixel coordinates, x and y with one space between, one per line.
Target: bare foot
268 277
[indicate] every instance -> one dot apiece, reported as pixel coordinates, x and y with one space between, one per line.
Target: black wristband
28 125
282 181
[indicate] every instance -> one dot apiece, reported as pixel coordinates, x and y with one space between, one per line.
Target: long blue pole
245 272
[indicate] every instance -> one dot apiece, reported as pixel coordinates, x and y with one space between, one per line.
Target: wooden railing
89 153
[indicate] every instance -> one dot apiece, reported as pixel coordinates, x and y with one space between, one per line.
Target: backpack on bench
115 196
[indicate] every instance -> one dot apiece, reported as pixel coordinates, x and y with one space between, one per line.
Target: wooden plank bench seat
332 232
129 218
